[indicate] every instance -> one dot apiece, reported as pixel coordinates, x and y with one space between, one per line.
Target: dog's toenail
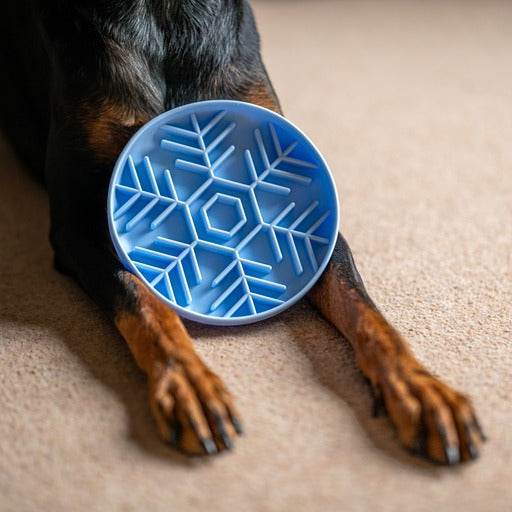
209 446
452 454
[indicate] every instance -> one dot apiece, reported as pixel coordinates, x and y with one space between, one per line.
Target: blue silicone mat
225 209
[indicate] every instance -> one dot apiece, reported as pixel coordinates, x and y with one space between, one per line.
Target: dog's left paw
431 418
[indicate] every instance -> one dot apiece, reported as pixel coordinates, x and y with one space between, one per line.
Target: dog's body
81 77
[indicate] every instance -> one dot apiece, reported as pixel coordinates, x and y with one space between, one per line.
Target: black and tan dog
79 77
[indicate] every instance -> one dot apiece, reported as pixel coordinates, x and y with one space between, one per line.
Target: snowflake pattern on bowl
224 209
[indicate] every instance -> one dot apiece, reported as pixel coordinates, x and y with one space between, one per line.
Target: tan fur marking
108 128
183 391
154 332
372 337
418 403
261 95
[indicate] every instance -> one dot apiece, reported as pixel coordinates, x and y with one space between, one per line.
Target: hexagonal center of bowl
223 215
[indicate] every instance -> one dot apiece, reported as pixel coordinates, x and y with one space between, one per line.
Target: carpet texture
411 104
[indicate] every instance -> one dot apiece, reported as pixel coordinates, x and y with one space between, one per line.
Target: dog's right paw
192 407
431 418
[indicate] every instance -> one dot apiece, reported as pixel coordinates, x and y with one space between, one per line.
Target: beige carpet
411 103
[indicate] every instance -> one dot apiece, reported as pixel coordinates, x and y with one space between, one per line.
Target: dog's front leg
192 407
429 416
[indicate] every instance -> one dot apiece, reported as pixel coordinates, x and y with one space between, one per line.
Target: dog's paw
193 409
431 418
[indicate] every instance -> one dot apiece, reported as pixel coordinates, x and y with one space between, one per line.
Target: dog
80 78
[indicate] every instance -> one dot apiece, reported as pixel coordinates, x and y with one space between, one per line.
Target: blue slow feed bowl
225 210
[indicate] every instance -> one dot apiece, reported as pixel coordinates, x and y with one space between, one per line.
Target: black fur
167 51
79 57
151 55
